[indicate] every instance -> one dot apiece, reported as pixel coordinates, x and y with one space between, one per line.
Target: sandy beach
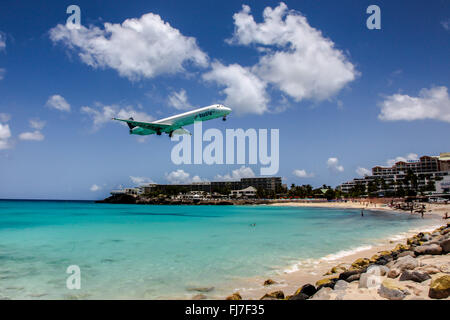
310 272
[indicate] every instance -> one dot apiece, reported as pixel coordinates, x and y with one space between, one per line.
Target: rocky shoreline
418 269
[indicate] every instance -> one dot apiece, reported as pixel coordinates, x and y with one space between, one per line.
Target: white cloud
298 59
101 114
32 136
181 177
137 48
431 103
141 180
237 174
302 173
58 102
2 73
409 156
95 188
5 117
37 124
362 172
333 164
179 100
446 24
244 91
2 41
5 134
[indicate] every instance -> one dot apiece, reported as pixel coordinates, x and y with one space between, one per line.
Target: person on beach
445 216
362 213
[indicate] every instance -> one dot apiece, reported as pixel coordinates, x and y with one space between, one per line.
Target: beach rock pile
419 269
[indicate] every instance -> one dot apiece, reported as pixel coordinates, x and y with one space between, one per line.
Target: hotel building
427 168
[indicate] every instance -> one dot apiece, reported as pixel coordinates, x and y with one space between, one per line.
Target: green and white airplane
174 124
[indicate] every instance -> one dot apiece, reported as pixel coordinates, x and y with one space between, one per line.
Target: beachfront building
249 192
423 175
265 184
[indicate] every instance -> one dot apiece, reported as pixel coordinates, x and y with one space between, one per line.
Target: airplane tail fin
130 125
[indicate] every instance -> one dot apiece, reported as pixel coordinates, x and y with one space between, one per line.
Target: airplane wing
148 125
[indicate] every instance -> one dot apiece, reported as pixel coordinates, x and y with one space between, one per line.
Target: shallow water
156 252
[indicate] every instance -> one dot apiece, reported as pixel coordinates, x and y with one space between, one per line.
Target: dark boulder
415 276
308 290
300 296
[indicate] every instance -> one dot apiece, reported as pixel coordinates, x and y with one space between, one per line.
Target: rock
406 263
327 282
234 296
406 253
393 273
361 262
429 269
273 295
346 274
322 294
342 267
200 289
426 237
269 282
353 277
415 276
428 249
307 289
401 247
445 246
389 289
300 296
341 285
440 287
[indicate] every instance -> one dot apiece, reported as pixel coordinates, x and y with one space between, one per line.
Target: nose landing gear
224 118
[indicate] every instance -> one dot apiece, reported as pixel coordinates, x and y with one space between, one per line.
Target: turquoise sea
159 252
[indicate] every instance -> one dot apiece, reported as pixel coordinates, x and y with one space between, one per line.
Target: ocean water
160 252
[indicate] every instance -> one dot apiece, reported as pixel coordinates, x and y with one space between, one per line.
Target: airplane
174 124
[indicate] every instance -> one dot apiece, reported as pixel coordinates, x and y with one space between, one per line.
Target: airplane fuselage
184 119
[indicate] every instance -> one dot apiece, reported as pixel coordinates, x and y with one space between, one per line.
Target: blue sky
345 98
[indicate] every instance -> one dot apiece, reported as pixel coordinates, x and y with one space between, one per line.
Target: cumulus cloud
137 48
2 41
58 102
5 117
244 92
333 165
179 100
95 188
5 135
296 58
32 136
181 177
409 156
37 124
362 172
446 24
237 174
433 103
300 173
101 114
141 180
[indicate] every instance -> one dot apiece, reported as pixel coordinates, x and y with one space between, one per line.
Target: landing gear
170 134
158 132
224 119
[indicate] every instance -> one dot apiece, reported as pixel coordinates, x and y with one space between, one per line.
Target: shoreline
313 270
